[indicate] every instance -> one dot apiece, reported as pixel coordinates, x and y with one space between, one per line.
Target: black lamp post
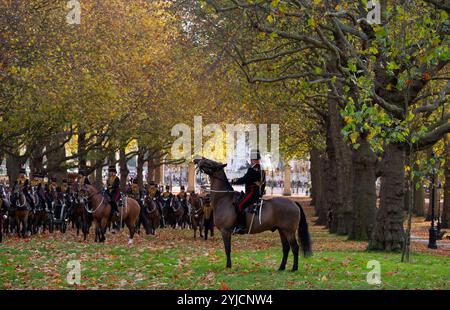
433 231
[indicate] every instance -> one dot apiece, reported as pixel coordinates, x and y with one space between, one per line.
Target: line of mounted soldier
34 206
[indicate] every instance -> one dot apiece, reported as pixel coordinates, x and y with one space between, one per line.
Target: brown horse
81 216
197 218
21 214
100 209
278 213
150 215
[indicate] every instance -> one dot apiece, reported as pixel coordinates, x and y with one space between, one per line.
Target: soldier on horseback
22 184
153 190
254 180
113 185
83 178
134 189
167 194
182 196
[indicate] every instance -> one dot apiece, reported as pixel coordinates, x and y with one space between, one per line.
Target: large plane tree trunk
364 192
388 234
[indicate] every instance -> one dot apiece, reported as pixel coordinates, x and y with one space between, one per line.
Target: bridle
89 199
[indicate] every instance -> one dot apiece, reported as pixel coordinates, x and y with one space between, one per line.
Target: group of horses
33 213
89 206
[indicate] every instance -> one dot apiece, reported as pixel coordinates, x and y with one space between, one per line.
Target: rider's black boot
241 224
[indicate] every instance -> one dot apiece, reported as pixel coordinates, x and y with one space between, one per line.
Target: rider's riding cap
135 181
112 169
255 154
22 170
167 187
151 183
182 187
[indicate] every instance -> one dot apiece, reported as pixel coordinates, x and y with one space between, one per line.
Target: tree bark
37 160
340 156
388 234
140 170
418 197
446 207
150 171
324 178
13 163
123 169
315 178
364 192
56 159
82 156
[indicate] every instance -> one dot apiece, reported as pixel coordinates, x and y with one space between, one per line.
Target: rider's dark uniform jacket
114 187
254 180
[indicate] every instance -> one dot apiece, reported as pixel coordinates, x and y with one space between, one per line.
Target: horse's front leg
226 236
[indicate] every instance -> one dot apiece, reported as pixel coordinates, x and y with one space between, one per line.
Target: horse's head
87 191
208 166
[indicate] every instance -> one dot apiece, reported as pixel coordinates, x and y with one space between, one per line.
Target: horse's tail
303 233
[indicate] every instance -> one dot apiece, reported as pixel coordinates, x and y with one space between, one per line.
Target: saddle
254 208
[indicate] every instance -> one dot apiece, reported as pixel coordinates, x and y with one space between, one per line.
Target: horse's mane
228 185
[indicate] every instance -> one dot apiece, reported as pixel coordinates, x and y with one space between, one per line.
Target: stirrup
239 230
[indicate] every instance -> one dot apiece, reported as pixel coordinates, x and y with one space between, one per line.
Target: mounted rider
38 184
254 180
83 178
167 194
153 190
23 184
53 186
182 197
113 185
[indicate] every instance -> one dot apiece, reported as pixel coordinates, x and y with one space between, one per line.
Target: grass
174 260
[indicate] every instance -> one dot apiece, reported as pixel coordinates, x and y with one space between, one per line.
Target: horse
197 218
185 221
40 217
21 209
176 213
150 215
76 216
278 213
61 206
100 208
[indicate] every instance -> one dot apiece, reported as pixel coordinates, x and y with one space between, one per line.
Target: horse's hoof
294 269
130 241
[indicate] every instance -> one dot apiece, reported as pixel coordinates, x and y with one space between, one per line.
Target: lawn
174 260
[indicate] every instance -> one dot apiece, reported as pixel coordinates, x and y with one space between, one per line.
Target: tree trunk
37 160
150 171
82 156
13 163
56 159
446 207
340 156
315 177
123 169
322 205
418 196
140 170
388 234
364 192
